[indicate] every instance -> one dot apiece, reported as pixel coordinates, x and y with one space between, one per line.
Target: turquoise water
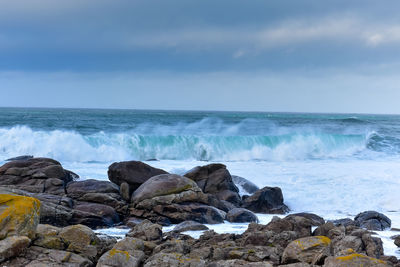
86 135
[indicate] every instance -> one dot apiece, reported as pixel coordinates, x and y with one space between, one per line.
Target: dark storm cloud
286 55
195 35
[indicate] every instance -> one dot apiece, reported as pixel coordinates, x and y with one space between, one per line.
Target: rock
313 250
297 264
147 231
315 219
240 215
173 246
132 221
134 173
372 220
124 191
94 215
215 179
19 215
24 157
189 226
248 186
47 236
177 213
345 222
397 240
106 243
354 260
173 260
130 244
234 263
13 246
80 239
170 198
38 257
36 175
79 189
298 224
161 185
117 258
348 242
266 200
373 245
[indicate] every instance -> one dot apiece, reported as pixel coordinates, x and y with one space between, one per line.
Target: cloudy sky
261 55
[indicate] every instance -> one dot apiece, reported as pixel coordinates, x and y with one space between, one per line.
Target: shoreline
151 201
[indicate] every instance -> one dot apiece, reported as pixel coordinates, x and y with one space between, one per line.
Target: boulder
313 250
173 260
105 244
266 200
147 231
372 220
94 214
23 157
63 211
235 263
240 215
247 186
79 189
36 175
397 240
117 258
13 246
127 252
215 179
162 185
47 236
354 260
354 243
315 219
189 226
19 215
345 222
38 256
80 239
170 198
177 213
134 173
373 245
124 191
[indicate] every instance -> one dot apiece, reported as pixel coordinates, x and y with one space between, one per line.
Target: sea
334 165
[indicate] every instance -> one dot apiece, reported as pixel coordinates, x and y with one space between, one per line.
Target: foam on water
277 144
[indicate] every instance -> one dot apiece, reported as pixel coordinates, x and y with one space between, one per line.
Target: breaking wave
72 146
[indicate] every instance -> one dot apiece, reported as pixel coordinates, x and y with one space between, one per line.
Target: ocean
334 165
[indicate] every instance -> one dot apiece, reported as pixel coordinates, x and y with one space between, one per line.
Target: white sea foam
71 146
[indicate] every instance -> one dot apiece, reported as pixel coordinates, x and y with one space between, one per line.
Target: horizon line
208 110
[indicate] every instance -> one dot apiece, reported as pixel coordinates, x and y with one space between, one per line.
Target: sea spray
67 145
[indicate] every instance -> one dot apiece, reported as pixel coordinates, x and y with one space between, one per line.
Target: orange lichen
17 212
312 242
324 240
355 255
116 251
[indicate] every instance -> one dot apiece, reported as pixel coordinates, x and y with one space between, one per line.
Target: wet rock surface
372 220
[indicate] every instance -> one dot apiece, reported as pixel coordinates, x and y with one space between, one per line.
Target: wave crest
71 146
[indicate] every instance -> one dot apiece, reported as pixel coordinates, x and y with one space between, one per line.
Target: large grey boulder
266 200
134 173
247 186
215 179
372 220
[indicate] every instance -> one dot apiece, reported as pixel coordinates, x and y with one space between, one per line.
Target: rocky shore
47 218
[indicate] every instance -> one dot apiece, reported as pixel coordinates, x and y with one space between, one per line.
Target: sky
258 55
